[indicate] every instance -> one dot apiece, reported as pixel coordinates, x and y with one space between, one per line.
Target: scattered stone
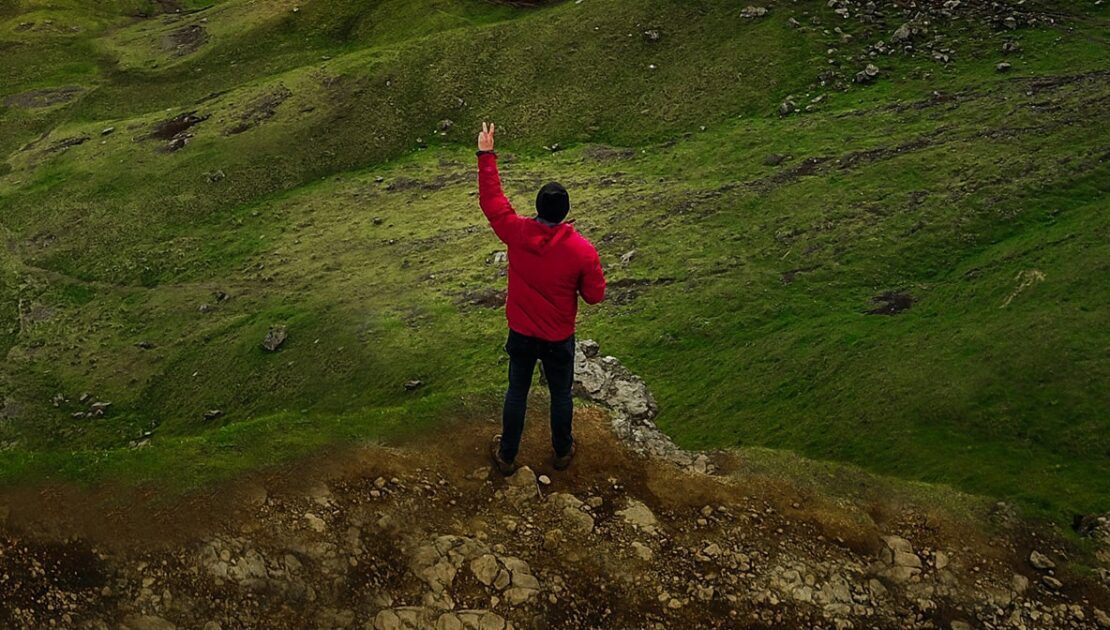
98 409
213 414
753 12
1003 67
413 385
627 257
589 348
274 338
107 131
639 515
485 568
642 551
544 480
774 159
903 34
652 35
521 486
1040 561
868 74
552 539
901 563
1052 583
941 560
787 107
315 523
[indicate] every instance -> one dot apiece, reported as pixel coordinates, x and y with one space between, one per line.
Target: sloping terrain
424 538
865 232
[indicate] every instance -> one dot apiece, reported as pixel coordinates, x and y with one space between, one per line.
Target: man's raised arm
491 198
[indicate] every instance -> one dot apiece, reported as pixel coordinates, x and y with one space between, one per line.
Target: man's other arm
592 282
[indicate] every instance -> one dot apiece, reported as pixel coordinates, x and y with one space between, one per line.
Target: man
550 265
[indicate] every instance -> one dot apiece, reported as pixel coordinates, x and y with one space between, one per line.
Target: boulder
275 338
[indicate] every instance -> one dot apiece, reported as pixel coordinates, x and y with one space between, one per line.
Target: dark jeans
558 367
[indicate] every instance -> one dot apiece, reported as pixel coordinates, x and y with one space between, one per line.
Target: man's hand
485 138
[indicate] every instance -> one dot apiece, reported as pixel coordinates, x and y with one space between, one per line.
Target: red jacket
549 265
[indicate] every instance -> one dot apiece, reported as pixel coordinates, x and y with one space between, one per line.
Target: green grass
746 312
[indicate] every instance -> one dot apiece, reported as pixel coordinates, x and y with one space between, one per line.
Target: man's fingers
485 127
492 128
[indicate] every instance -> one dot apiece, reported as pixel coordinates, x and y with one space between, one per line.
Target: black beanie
553 203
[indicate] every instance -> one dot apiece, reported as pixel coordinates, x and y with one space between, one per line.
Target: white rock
1040 561
639 515
941 560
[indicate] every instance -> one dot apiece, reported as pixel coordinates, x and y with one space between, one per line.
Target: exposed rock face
432 548
900 563
602 379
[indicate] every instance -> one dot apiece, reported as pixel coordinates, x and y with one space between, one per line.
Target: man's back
550 265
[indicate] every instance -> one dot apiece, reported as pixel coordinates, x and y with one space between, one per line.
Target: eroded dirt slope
427 537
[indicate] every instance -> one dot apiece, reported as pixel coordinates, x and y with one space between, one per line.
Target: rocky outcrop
439 561
434 548
603 380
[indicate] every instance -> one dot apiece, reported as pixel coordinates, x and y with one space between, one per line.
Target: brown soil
333 542
260 109
481 298
185 40
626 290
891 303
44 97
605 153
168 129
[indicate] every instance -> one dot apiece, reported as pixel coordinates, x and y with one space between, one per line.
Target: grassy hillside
314 169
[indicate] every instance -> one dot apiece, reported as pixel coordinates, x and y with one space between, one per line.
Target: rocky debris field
637 533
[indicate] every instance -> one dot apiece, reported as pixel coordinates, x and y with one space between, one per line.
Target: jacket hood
538 237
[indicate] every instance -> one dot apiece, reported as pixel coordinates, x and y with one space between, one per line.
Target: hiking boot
561 463
502 466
